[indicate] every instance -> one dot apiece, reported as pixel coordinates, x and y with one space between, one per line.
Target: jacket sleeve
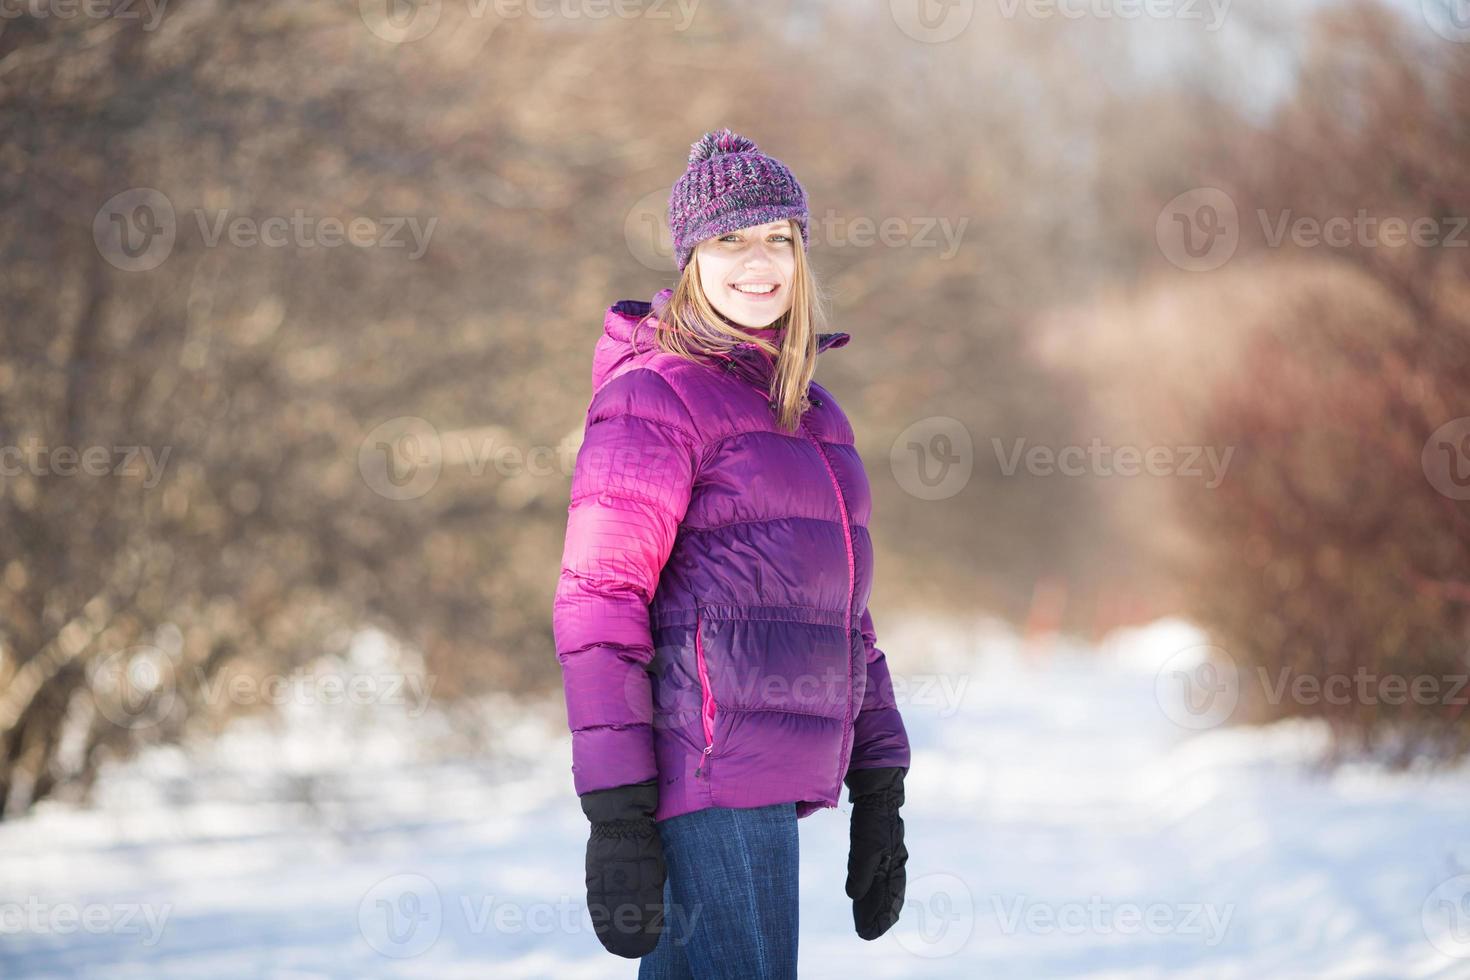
630 488
879 739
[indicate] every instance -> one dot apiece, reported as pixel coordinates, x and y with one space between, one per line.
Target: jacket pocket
706 694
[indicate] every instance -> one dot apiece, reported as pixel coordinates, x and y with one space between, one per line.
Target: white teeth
756 290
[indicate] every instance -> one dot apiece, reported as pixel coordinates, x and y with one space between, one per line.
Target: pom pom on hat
719 143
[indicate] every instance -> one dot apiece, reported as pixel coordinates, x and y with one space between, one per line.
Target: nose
759 257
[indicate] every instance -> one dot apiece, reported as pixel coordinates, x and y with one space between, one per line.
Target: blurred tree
1332 549
359 434
1325 360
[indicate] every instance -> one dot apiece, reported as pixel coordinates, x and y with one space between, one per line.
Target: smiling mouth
755 288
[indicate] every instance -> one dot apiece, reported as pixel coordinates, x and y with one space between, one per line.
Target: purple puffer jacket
711 618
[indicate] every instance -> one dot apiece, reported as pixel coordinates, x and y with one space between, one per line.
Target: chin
757 318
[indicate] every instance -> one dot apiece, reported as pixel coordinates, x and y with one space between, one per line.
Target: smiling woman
711 620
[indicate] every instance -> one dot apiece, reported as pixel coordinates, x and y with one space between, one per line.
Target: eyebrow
779 226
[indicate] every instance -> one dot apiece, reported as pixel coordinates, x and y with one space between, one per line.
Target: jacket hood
628 331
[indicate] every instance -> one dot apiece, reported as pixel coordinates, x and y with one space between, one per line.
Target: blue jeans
730 900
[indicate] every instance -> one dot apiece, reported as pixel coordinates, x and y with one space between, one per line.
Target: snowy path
1059 825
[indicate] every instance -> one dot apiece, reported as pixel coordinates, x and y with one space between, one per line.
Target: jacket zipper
706 697
851 587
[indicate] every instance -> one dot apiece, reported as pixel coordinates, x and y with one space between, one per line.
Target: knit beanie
730 185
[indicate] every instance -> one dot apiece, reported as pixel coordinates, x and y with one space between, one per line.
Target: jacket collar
746 360
627 331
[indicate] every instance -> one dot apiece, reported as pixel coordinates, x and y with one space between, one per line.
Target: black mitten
625 868
877 859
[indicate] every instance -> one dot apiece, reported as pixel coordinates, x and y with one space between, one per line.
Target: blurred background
1161 337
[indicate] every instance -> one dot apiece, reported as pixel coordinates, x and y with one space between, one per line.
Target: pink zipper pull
699 771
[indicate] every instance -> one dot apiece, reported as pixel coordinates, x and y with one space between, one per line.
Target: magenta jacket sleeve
878 739
630 488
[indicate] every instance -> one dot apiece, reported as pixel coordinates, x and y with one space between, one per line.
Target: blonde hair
690 327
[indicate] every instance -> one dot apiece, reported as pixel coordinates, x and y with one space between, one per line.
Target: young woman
711 619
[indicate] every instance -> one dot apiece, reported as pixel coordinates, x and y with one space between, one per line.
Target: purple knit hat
731 185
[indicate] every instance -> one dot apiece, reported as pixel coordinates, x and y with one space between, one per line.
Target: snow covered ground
1060 824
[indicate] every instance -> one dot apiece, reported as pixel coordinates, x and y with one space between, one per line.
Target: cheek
712 270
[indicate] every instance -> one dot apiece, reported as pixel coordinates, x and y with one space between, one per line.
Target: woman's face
747 273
